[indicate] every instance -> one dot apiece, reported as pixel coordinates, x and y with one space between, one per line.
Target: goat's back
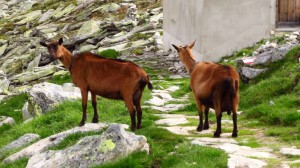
101 74
214 82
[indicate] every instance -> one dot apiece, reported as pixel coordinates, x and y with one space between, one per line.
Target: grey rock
62 11
25 113
30 17
113 144
44 96
53 140
35 74
6 120
113 7
240 161
34 63
4 83
20 142
247 73
46 16
89 28
3 49
290 151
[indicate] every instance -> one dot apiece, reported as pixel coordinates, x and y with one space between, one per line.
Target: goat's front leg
84 95
200 112
94 103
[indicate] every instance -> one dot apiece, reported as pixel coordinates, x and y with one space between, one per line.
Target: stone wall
220 27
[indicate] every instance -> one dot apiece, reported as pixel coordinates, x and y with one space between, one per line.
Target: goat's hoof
206 127
81 124
199 129
133 129
217 135
234 134
95 120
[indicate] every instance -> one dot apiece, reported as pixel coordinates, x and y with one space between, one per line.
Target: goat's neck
66 59
189 62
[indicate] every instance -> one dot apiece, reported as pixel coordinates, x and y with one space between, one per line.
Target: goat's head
185 51
55 48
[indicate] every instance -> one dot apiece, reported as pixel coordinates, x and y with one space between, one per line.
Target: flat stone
43 144
175 77
290 151
173 88
180 130
3 49
213 141
251 73
46 16
171 121
168 107
239 161
20 142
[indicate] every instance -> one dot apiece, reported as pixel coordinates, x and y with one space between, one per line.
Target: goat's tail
146 80
230 89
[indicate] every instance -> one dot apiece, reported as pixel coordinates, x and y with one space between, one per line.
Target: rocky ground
134 28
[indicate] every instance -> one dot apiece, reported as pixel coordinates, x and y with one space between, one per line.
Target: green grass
137 51
110 53
12 107
61 79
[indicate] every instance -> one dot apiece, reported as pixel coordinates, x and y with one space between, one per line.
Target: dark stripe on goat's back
101 57
226 67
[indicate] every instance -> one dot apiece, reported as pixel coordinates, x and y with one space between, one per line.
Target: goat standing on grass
109 78
215 86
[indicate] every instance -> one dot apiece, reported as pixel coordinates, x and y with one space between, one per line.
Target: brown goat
109 78
215 86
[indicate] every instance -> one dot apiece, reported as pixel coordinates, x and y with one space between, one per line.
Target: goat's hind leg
200 112
132 112
206 124
234 118
94 103
137 103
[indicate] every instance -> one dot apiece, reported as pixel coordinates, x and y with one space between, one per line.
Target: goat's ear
43 44
177 48
60 41
192 45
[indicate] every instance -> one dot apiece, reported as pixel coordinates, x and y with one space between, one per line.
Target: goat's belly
111 95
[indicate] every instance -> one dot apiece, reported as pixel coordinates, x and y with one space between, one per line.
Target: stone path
239 156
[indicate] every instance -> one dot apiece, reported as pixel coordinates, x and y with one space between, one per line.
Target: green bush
110 53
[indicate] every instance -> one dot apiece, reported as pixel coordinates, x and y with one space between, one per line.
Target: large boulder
44 96
6 120
20 142
30 17
44 144
111 145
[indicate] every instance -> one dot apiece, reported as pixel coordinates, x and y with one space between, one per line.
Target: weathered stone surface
34 63
251 73
111 145
6 120
30 17
236 161
172 121
43 144
25 113
3 49
46 16
88 28
4 83
36 73
168 107
20 142
44 96
290 151
63 11
14 65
